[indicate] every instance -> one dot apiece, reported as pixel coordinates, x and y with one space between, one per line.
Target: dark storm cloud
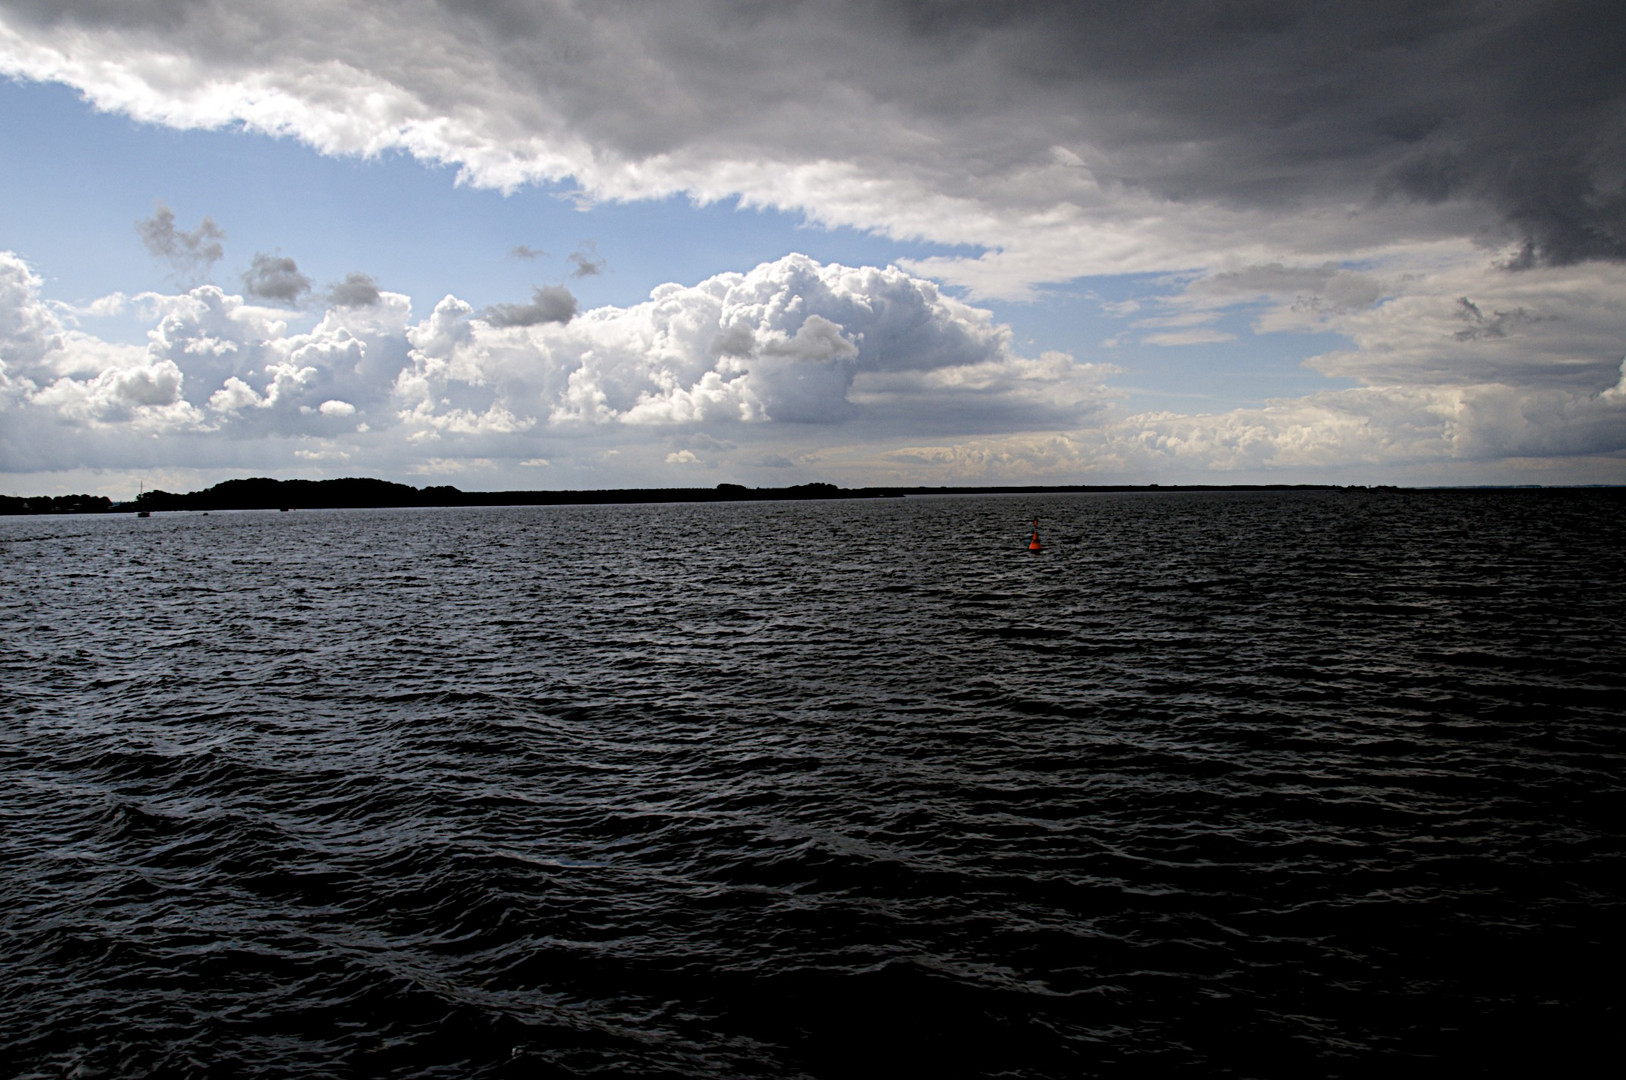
554 304
275 278
1521 107
1517 109
187 251
355 291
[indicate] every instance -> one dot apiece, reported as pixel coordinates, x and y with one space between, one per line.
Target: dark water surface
1245 784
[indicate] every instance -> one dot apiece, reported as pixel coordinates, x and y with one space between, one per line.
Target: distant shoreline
356 493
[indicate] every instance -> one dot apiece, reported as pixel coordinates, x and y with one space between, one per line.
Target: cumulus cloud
275 278
525 251
147 393
553 304
356 290
187 251
100 308
735 339
29 330
1064 139
864 374
791 342
54 379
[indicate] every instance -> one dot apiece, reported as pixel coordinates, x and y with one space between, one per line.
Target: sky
544 244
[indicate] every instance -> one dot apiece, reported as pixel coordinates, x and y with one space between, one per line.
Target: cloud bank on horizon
1442 186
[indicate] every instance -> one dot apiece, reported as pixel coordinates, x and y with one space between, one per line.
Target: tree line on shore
265 493
55 504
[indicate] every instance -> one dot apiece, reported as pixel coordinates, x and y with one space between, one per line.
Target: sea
1251 783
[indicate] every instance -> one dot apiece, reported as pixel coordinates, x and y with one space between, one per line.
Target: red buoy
1034 544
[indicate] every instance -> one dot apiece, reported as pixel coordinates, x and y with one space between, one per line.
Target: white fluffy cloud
30 332
46 365
797 368
792 344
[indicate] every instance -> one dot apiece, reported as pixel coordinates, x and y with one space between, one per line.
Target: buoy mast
1034 544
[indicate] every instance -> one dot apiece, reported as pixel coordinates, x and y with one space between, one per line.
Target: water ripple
1220 784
